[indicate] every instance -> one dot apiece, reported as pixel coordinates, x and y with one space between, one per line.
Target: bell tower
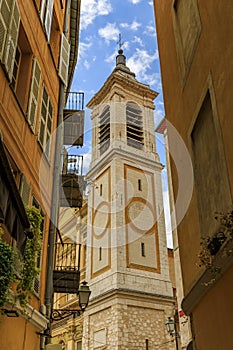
127 259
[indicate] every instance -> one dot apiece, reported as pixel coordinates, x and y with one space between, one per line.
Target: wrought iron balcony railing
72 164
66 273
74 101
73 117
72 181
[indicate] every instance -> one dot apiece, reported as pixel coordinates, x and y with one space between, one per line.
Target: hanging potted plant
211 245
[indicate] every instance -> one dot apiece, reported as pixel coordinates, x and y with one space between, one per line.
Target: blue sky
101 23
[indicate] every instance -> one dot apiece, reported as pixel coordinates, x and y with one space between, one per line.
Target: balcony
72 181
66 274
73 117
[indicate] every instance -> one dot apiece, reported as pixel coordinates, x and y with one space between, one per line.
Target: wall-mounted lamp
83 296
170 325
171 328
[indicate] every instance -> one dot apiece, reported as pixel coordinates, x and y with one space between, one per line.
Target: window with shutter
46 15
5 15
34 93
11 40
64 59
16 68
46 116
24 190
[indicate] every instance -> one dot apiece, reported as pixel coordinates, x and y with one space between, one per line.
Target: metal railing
67 256
74 101
72 164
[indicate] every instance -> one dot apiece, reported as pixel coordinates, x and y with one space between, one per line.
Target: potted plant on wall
217 243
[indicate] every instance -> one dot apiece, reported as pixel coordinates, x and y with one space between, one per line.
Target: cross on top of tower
120 43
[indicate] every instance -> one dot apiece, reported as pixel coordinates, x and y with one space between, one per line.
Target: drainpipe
55 199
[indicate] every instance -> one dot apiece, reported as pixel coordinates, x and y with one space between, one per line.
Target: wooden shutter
24 190
42 10
5 16
48 17
11 41
34 92
46 116
64 59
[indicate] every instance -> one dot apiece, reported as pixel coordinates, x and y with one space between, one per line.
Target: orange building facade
38 52
197 75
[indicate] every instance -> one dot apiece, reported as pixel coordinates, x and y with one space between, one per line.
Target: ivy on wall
29 270
21 269
6 269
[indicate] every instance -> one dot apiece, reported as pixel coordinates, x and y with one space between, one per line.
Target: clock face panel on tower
142 249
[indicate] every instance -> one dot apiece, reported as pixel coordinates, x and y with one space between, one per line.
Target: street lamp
170 325
171 328
84 294
83 299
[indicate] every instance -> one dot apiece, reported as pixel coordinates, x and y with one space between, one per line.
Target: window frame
45 120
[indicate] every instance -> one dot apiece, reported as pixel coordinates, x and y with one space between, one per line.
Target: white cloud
83 47
109 32
150 30
150 3
126 45
138 40
90 9
135 1
86 162
133 26
158 114
86 64
140 63
111 58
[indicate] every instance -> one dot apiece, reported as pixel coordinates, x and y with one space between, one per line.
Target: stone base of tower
128 320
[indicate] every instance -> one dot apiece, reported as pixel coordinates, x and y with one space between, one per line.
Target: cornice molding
121 81
124 155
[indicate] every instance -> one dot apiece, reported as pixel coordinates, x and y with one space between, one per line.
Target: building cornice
126 156
124 82
28 312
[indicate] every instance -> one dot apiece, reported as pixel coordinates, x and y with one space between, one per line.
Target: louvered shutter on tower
11 40
34 93
64 59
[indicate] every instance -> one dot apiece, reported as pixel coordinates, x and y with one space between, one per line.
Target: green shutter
64 59
24 190
48 17
34 93
5 16
12 39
